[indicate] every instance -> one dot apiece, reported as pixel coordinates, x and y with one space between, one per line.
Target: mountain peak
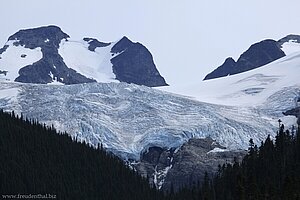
258 54
128 68
121 45
227 68
37 37
229 61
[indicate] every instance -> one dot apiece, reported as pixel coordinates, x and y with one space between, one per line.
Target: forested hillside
34 159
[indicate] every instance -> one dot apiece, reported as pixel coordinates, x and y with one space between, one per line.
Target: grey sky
188 38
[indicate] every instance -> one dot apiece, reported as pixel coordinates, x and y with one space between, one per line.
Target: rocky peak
227 68
257 55
39 37
122 45
135 64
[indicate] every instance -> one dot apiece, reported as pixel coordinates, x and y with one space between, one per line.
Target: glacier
128 119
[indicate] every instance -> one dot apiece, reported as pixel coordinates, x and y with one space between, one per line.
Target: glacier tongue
128 118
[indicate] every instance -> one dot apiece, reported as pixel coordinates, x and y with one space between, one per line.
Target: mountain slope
47 55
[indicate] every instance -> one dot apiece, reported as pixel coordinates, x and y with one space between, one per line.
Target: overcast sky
188 38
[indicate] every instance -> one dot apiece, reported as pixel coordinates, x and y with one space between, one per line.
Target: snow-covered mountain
130 119
259 54
254 88
47 55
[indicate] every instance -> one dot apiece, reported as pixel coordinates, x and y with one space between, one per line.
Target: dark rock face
294 112
257 55
153 155
3 49
121 45
186 166
134 64
48 39
94 43
152 162
39 72
227 68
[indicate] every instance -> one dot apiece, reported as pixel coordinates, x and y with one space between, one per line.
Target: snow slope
92 64
16 57
290 47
